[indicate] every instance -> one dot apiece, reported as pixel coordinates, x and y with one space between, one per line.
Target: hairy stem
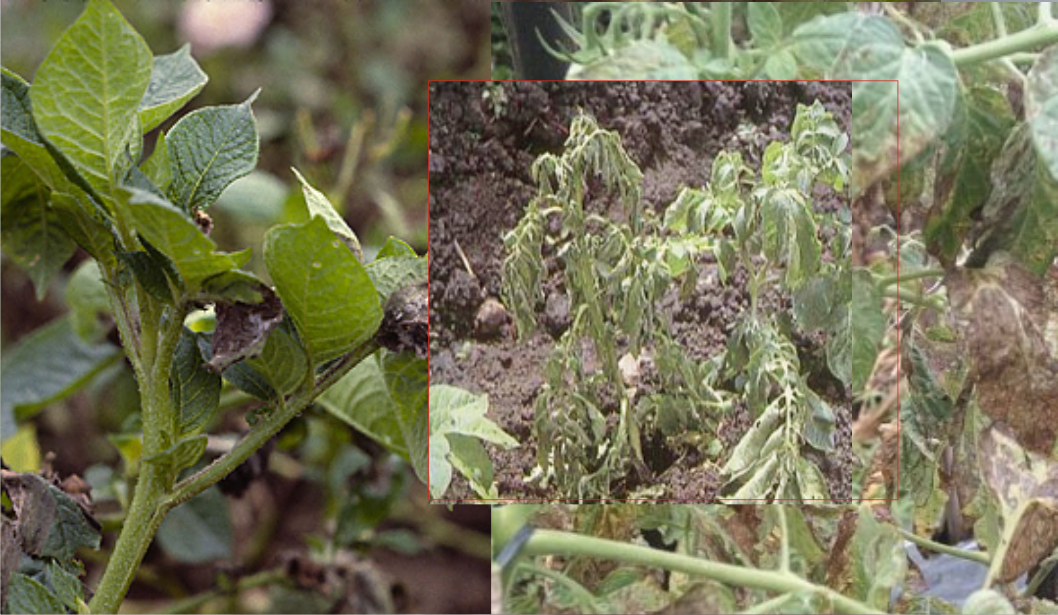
890 280
551 542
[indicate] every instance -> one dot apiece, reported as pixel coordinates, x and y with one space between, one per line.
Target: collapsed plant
592 416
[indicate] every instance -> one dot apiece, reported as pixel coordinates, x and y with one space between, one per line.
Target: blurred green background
344 100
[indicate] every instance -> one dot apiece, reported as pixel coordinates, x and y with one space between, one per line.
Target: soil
483 140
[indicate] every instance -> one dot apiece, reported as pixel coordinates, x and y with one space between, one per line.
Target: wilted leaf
48 521
642 59
852 346
1026 486
1004 318
869 559
454 411
987 602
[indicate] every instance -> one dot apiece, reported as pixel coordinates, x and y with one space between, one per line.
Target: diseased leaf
404 327
1026 485
194 389
320 205
1021 214
100 66
175 79
982 120
208 149
789 233
242 328
199 530
1003 320
46 366
1041 109
362 400
871 559
324 288
870 49
48 521
173 234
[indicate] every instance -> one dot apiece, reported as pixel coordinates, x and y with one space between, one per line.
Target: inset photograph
647 287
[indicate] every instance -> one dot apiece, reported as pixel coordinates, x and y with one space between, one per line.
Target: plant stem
192 604
262 432
551 542
914 299
159 340
1043 33
973 556
890 280
721 18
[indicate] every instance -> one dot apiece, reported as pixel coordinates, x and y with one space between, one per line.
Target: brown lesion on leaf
406 320
243 328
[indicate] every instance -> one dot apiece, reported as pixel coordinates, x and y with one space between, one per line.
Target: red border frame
433 500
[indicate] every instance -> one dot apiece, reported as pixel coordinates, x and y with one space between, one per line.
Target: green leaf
395 247
27 595
642 59
67 586
852 346
172 233
781 65
86 296
156 167
362 400
85 224
323 287
1041 108
765 24
208 149
871 50
32 233
877 561
193 388
320 205
181 455
154 271
234 285
175 79
101 68
407 380
199 530
458 423
818 305
396 272
46 366
19 133
283 361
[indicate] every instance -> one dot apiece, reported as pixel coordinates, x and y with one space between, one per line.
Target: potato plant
617 271
969 276
331 328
